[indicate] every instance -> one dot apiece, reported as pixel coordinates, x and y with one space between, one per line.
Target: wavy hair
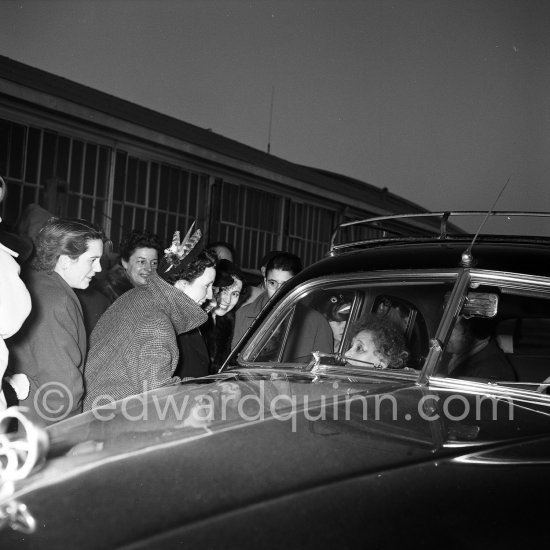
190 270
63 236
139 239
226 273
387 337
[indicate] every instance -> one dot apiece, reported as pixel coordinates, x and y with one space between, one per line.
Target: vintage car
292 447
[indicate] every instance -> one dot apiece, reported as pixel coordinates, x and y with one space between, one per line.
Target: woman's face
227 297
140 265
78 272
200 289
363 351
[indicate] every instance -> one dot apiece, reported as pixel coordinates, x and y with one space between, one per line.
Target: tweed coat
133 346
50 348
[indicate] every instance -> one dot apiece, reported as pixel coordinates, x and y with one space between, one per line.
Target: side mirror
480 304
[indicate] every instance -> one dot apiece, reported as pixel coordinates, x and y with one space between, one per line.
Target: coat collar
185 314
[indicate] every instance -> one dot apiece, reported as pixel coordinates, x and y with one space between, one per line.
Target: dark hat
22 246
180 254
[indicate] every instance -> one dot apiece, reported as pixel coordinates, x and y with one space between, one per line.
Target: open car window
322 318
511 347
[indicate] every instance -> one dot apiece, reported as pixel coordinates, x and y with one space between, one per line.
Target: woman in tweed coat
133 347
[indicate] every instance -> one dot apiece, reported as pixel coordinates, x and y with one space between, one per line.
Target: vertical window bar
244 218
146 206
96 175
39 168
108 211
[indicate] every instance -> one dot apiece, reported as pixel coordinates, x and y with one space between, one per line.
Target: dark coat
310 330
50 348
490 362
245 315
133 346
204 350
94 304
218 337
194 360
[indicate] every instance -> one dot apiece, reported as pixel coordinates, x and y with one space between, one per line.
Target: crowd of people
84 326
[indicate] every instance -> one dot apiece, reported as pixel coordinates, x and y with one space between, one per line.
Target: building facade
128 167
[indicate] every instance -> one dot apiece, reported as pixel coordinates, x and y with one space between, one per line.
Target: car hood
181 453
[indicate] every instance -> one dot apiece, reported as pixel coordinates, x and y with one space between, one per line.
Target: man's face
275 279
461 338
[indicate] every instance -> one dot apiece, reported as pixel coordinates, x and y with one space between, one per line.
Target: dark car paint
443 479
264 481
492 253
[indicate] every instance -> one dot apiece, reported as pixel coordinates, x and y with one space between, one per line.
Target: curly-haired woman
377 342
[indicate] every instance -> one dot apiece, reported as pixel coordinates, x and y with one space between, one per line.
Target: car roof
396 244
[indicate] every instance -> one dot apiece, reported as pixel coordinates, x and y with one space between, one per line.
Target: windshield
352 326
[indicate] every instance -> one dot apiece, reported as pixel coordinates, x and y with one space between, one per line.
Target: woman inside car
377 342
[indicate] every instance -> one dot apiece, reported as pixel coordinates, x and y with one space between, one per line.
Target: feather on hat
180 249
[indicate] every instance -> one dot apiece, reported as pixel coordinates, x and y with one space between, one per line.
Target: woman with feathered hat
133 347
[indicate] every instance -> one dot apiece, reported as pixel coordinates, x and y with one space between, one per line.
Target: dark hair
212 247
63 236
387 337
138 238
285 261
190 270
114 283
226 273
220 334
479 327
266 257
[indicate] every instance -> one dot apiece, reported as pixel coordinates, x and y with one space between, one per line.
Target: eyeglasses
272 284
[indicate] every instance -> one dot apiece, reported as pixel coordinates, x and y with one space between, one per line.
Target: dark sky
440 101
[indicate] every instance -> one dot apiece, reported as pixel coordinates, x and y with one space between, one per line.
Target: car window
512 347
323 319
407 316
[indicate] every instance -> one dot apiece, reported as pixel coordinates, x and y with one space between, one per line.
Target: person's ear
64 261
124 263
180 284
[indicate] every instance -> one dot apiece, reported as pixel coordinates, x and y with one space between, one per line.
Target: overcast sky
440 101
